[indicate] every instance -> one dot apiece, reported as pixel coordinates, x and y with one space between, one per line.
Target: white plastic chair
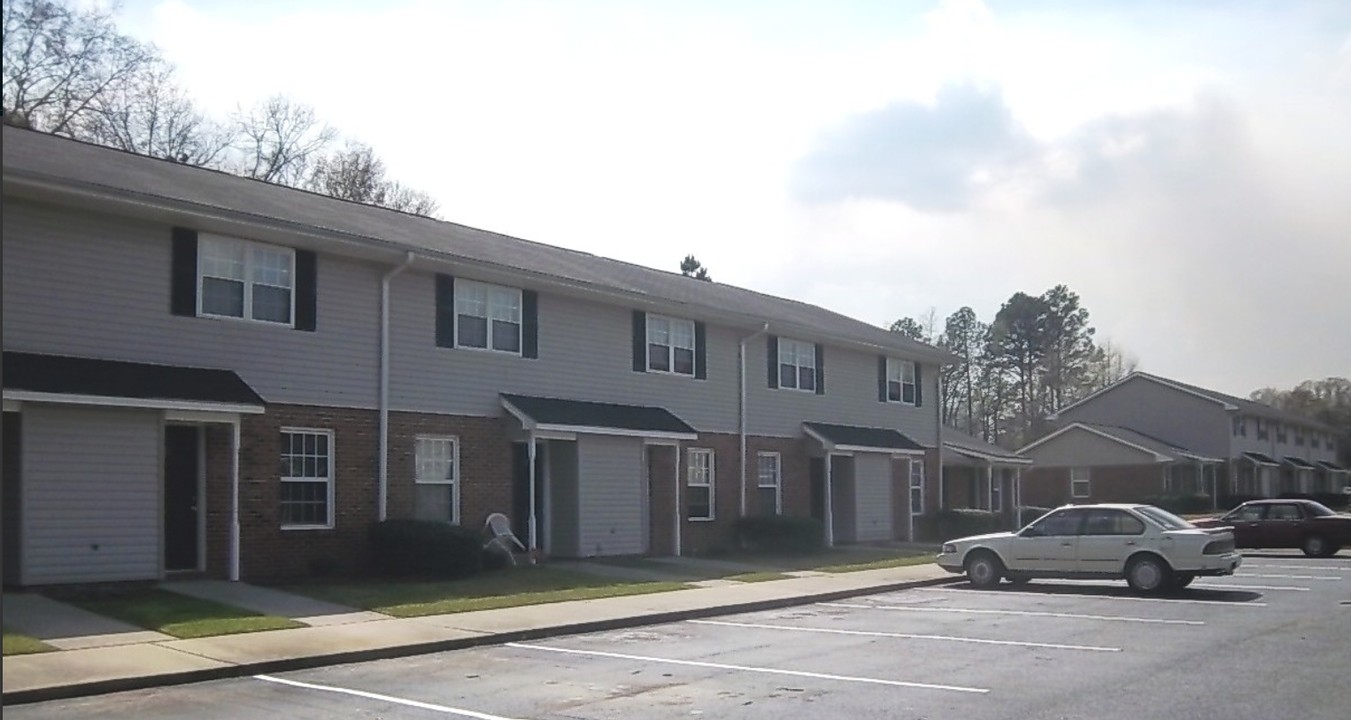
499 526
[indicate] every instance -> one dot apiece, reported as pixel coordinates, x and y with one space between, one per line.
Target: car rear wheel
983 569
1148 574
1315 546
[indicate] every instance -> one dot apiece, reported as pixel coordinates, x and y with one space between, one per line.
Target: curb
100 687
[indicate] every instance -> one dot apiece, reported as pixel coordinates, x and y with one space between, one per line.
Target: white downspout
532 449
938 417
383 500
741 411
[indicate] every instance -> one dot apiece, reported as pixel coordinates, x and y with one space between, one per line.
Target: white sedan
1151 548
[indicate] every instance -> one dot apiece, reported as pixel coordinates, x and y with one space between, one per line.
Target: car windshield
1317 509
1163 518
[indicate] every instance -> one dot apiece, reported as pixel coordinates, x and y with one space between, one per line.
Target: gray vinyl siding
1080 448
91 495
564 534
872 494
850 398
585 353
610 495
1171 415
1270 446
84 284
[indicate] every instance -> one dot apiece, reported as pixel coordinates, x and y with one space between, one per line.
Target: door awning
850 438
33 377
1260 459
1332 466
596 418
1300 463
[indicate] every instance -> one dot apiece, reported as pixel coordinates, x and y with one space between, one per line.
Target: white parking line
745 668
384 698
1289 577
907 636
1020 613
1296 567
1034 594
1272 588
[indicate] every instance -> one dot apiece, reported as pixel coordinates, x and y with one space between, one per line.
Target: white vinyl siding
769 483
56 260
670 345
699 479
901 385
436 479
487 317
247 280
1080 485
797 365
872 493
610 483
306 479
91 495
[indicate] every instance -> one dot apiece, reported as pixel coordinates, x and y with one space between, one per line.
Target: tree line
1037 354
68 71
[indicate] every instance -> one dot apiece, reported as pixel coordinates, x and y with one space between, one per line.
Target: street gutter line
1020 613
907 636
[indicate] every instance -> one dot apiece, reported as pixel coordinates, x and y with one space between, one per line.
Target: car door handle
1067 544
1130 542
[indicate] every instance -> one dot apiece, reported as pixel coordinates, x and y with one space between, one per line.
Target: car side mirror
1031 531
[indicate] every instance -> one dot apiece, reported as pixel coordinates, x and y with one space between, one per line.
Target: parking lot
1272 641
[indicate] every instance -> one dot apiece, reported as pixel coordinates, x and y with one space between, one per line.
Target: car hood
984 538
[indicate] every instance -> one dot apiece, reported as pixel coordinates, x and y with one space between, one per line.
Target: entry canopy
1260 459
31 377
850 438
1332 466
1300 463
597 418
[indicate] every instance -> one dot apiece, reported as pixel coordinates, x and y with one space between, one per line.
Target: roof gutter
741 410
382 500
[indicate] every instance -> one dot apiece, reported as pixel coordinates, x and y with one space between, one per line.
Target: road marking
1289 577
384 698
1021 613
745 668
1227 586
1296 567
1034 594
908 636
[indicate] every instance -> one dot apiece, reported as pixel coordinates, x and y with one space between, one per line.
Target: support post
234 500
531 523
830 514
675 488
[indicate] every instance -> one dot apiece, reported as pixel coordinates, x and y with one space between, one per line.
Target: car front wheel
1147 574
984 570
1315 546
1182 580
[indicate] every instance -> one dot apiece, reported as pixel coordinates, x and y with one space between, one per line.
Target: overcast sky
1184 166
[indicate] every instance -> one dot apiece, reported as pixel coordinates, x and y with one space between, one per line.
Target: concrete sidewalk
341 635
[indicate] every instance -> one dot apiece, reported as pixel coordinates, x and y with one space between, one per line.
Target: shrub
780 534
960 522
1030 513
1182 504
425 548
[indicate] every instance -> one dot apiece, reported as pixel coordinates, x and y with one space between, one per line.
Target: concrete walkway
340 635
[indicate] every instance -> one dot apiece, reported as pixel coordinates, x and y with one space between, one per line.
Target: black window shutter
700 351
307 290
639 341
919 387
820 369
881 378
445 310
183 273
529 324
772 356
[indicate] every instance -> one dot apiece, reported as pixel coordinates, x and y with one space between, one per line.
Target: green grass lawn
178 615
763 576
891 562
511 587
16 644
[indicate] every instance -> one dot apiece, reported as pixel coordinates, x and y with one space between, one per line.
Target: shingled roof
36 159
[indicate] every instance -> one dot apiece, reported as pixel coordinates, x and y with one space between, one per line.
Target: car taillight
1218 547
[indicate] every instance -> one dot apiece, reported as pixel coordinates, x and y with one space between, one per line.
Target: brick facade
1050 486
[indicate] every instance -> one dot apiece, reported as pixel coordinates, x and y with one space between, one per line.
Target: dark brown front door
181 500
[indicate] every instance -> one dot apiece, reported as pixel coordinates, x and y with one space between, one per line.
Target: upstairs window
247 280
901 385
487 316
1240 426
1280 434
1262 429
1299 437
797 365
670 345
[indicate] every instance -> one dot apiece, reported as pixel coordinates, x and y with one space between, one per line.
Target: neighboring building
981 475
212 375
1147 435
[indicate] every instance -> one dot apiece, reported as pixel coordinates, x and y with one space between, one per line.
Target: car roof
1114 506
1273 501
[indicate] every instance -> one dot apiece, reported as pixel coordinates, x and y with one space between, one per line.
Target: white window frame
515 312
328 481
997 492
1086 481
917 484
246 248
777 482
702 475
896 373
803 355
653 322
420 469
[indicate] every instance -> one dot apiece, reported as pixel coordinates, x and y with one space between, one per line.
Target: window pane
434 502
506 336
222 259
471 331
908 371
658 330
222 297
684 361
787 375
505 304
806 378
682 334
658 357
699 497
908 393
767 501
471 299
271 267
272 304
894 391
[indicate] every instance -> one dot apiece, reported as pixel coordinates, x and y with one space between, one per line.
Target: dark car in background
1286 523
